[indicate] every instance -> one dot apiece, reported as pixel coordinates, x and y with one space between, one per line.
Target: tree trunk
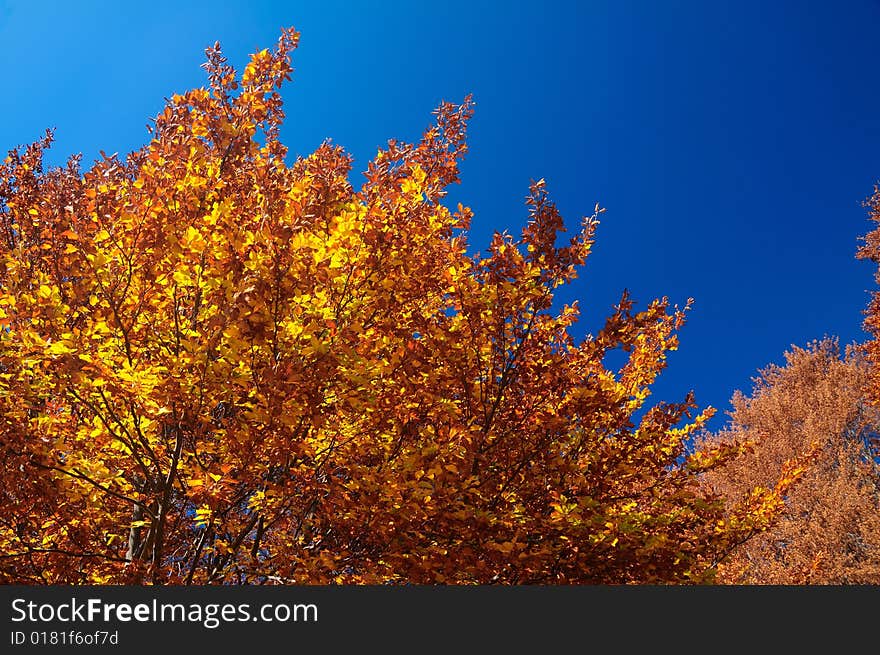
134 533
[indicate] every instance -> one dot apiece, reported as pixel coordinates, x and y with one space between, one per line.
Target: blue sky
731 142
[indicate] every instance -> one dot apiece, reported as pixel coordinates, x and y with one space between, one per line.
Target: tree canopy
218 367
812 407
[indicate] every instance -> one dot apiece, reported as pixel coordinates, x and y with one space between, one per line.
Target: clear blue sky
732 142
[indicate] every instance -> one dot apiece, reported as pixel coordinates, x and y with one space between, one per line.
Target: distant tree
870 250
216 367
829 532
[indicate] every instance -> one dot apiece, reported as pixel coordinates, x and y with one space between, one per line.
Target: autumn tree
218 367
870 250
814 405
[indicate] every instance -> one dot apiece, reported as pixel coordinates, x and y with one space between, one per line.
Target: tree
870 250
218 368
814 405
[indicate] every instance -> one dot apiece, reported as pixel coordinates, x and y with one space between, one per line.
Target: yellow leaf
203 516
192 235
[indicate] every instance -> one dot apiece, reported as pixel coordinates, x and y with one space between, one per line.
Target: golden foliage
219 368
